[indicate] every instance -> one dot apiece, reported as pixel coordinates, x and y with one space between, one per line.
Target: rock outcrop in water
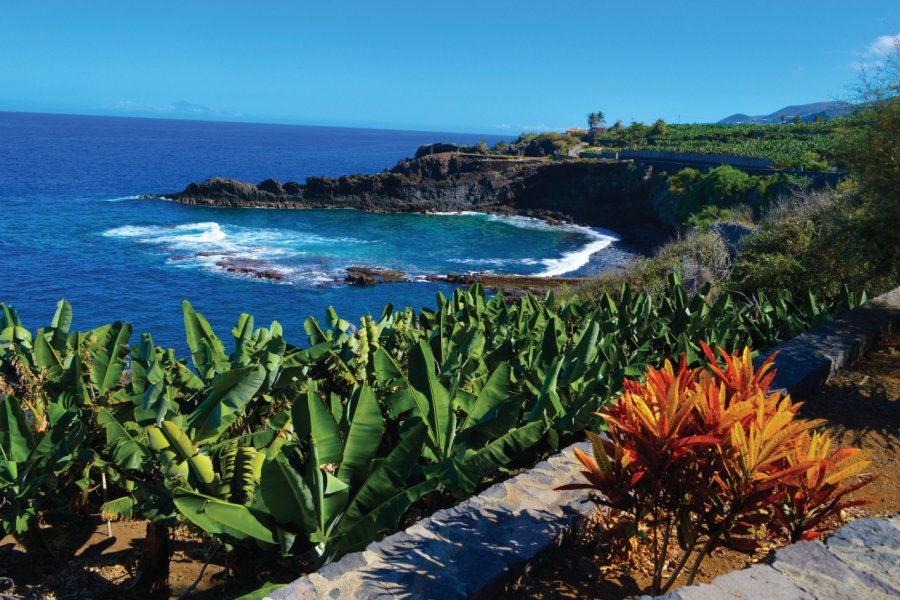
592 192
365 276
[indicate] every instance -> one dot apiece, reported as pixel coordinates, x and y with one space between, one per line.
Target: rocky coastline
602 193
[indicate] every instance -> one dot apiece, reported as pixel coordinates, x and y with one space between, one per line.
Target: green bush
543 144
811 146
697 259
698 197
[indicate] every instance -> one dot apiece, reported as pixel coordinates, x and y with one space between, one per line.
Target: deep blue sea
71 227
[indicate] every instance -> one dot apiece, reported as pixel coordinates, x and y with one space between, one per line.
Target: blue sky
474 66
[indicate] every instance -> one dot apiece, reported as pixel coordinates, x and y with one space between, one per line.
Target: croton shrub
695 459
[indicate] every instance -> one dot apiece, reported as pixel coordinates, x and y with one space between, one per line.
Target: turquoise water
72 228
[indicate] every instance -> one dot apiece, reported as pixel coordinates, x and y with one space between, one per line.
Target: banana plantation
315 448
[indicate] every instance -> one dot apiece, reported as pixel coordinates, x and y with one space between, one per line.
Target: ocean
72 226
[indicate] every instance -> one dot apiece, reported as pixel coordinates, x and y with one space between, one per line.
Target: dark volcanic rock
250 267
271 186
372 275
593 192
439 148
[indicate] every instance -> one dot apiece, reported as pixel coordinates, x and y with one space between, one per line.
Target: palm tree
592 120
600 118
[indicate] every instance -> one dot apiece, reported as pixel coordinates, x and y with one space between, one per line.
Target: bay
71 226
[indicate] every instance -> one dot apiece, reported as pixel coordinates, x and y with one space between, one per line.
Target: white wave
122 199
495 262
181 236
570 261
533 223
597 240
205 245
248 242
457 213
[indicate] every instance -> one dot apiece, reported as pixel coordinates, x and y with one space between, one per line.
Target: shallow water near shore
73 227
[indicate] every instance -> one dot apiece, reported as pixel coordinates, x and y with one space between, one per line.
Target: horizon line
248 122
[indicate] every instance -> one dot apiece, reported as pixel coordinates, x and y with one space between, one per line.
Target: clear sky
475 66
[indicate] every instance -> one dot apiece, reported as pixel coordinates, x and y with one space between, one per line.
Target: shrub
696 197
696 259
544 144
701 456
818 242
712 214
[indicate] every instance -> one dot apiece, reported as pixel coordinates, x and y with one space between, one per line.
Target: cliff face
592 192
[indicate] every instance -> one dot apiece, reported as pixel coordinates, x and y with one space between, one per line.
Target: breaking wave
596 239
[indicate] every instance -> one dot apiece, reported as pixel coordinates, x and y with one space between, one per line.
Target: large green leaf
548 395
119 508
285 495
218 517
230 393
207 350
128 453
363 439
439 415
109 362
386 369
15 434
45 356
390 476
201 466
242 333
324 431
262 593
332 496
62 319
501 451
494 393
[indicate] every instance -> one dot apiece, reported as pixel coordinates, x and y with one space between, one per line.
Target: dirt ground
862 407
103 567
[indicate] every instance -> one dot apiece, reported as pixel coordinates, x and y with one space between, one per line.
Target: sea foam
596 240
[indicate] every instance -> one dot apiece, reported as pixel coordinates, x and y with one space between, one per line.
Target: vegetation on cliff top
806 241
809 146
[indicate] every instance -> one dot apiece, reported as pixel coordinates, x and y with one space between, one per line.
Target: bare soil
862 407
91 565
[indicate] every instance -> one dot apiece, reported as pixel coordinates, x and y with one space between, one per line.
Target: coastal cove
69 187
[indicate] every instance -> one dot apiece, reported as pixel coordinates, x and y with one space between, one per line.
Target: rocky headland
603 193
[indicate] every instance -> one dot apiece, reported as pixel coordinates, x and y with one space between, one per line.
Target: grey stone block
543 466
812 568
334 570
301 589
759 581
443 588
373 590
495 491
538 480
807 361
871 546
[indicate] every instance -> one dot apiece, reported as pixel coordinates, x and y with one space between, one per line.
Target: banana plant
459 463
335 496
37 468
